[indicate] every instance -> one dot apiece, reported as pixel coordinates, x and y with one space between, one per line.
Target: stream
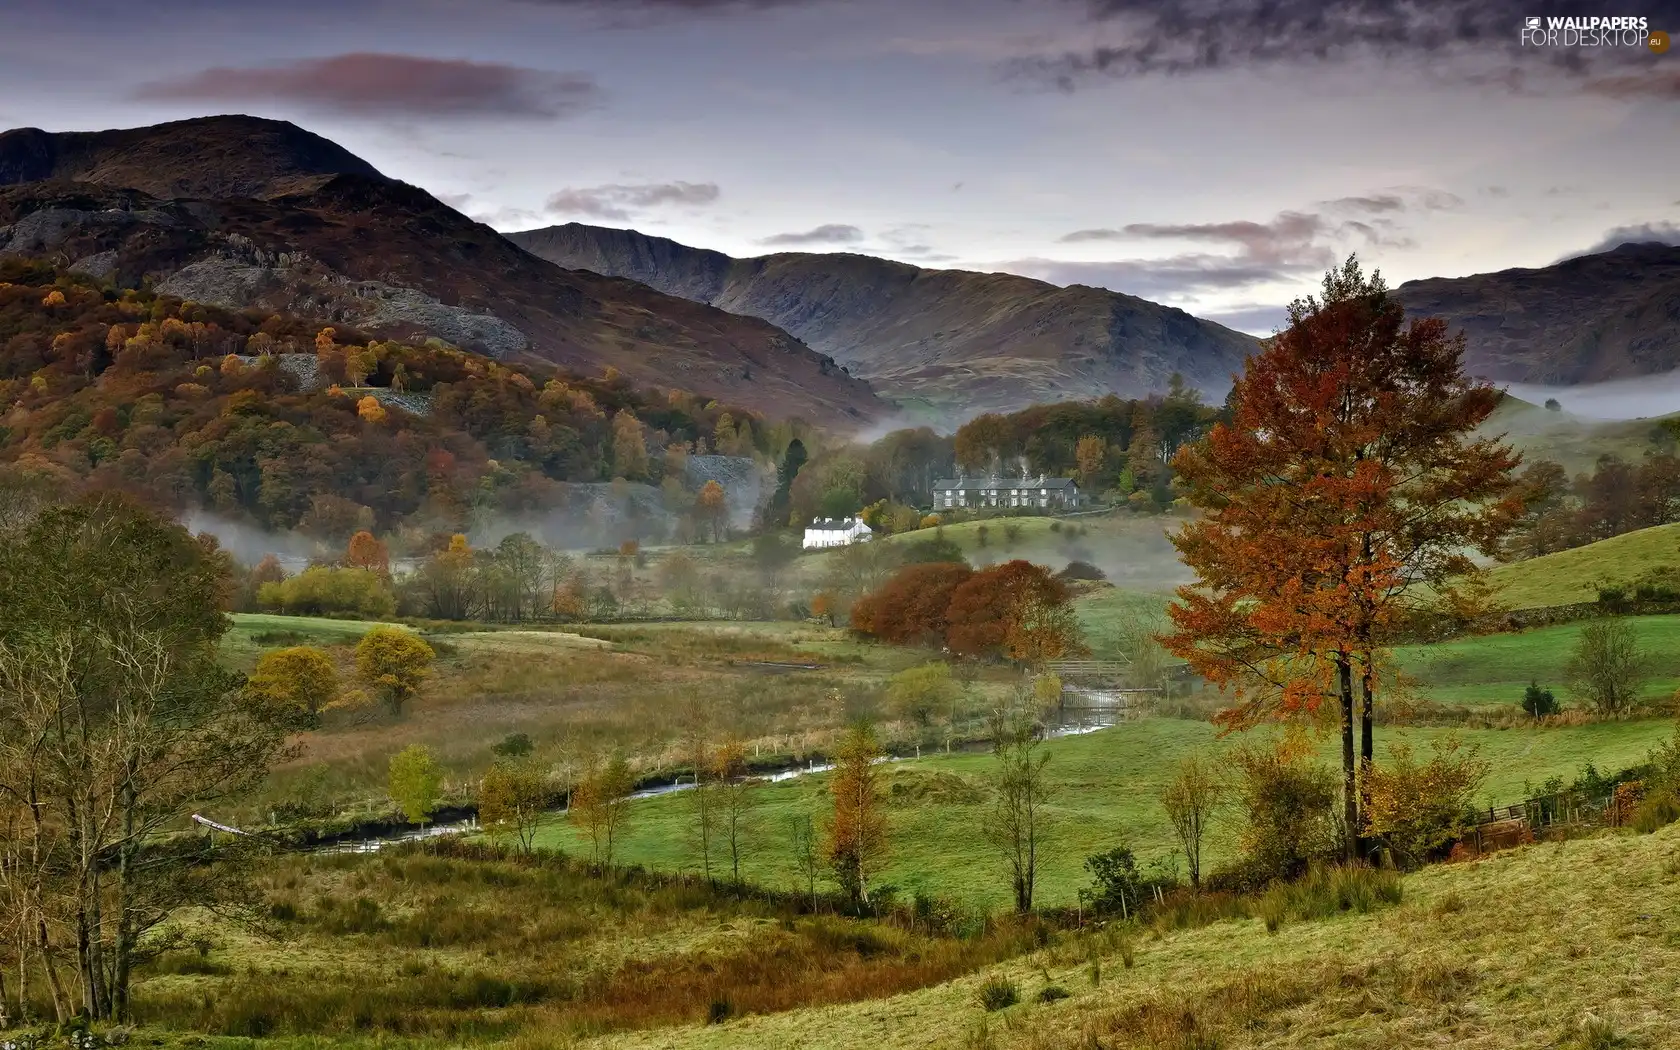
1101 714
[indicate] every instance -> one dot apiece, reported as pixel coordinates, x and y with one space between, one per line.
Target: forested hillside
280 422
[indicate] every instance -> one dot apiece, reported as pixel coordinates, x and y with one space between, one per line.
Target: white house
835 532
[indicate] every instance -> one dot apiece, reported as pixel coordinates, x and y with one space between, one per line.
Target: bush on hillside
1539 702
1081 570
324 591
940 548
1417 809
1288 804
1119 886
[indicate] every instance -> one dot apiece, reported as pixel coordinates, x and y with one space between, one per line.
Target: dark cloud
1291 245
1646 233
1174 277
370 84
1256 320
620 201
1174 37
832 233
1662 87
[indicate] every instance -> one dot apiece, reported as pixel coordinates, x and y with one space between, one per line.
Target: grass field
575 693
1494 669
1576 575
1131 548
1571 440
1563 945
1106 785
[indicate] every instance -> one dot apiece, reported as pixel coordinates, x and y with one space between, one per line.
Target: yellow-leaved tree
395 663
300 680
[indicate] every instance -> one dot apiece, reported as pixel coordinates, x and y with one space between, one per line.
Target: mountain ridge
984 340
356 246
1607 315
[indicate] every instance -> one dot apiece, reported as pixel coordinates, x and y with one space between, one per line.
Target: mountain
241 213
1611 315
947 337
214 158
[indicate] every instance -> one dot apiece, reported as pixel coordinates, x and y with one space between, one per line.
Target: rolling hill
240 213
949 338
1606 316
1574 575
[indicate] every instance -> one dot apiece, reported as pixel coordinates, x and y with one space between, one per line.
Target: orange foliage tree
367 552
1017 610
1348 488
857 831
711 510
910 608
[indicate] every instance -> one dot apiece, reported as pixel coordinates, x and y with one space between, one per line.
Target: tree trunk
122 966
52 975
1350 779
1367 743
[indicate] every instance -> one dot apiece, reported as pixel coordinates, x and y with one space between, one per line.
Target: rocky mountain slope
949 337
1607 316
246 213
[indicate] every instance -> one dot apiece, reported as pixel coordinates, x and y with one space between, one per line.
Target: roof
948 484
834 524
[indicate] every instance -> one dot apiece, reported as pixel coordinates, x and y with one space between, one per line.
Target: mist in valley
1645 397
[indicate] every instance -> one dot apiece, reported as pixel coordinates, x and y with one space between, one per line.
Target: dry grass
584 692
1564 945
476 945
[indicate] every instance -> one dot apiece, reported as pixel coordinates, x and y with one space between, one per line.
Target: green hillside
1569 439
1575 575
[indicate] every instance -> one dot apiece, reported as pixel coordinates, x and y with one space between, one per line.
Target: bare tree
1608 667
1016 823
735 800
1192 800
116 722
806 851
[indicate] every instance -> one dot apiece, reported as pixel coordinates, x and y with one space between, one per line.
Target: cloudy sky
1215 156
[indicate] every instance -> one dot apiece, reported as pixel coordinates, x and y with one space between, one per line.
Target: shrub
1288 803
1657 810
515 745
939 548
999 993
323 591
1417 809
1539 702
1119 885
1081 570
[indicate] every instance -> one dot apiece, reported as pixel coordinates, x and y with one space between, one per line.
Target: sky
1212 156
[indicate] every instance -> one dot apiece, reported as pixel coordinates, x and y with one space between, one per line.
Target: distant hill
952 338
1612 315
239 212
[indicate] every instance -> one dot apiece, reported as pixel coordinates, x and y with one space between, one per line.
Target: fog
1639 398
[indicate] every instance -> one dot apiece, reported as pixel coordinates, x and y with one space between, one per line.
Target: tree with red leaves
1017 610
1349 490
910 608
